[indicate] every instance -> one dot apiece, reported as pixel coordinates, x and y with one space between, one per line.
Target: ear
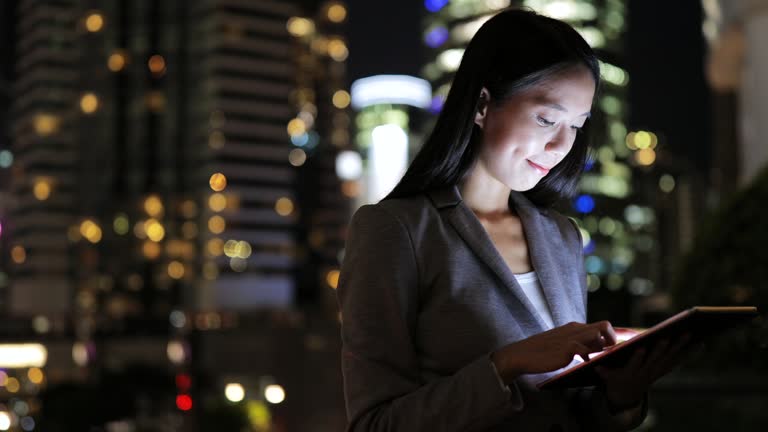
482 107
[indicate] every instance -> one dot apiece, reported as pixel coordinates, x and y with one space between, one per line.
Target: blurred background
176 178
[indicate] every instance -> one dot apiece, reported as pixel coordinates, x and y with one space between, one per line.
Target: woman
461 290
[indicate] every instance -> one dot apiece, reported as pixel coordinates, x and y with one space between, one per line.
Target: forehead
572 89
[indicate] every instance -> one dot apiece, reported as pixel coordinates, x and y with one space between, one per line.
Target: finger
579 349
592 337
606 331
592 340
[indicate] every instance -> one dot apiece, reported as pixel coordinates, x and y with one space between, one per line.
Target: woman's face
528 134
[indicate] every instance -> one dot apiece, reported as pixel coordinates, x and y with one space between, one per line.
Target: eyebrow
559 107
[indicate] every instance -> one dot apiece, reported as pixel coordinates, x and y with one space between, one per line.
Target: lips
539 168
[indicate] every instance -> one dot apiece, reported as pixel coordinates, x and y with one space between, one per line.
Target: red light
184 402
183 382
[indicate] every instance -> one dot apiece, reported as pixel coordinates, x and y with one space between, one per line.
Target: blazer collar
538 232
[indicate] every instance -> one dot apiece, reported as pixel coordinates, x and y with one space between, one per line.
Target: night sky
384 37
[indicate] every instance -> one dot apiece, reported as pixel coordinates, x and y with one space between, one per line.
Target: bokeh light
584 204
117 61
90 230
176 270
215 246
121 224
337 12
94 22
341 99
156 64
436 37
667 183
297 157
184 402
234 392
6 158
151 250
217 224
274 394
153 206
217 202
45 124
332 278
35 375
27 423
284 206
42 188
80 354
645 157
337 49
349 165
89 102
298 26
12 385
5 421
176 352
296 127
218 182
154 229
18 254
435 5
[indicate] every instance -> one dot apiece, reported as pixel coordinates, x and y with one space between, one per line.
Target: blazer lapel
550 260
473 233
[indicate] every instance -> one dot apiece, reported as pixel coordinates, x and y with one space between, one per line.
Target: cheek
505 141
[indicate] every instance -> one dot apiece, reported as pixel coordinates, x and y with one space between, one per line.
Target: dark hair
513 51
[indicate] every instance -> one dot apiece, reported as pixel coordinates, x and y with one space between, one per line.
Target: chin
522 186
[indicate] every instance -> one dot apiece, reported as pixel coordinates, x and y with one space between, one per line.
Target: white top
531 286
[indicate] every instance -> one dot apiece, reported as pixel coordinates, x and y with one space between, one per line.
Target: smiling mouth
539 168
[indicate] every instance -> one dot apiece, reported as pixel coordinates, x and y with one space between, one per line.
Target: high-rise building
319 134
162 150
616 222
173 171
45 167
7 12
243 69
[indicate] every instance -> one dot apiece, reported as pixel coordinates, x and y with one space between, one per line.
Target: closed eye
544 122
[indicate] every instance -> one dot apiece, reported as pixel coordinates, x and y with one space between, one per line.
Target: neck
484 194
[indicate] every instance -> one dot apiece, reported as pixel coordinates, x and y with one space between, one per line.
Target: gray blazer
425 298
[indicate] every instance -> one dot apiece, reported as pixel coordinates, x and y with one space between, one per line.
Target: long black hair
513 51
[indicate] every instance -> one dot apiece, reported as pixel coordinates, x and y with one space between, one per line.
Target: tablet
701 322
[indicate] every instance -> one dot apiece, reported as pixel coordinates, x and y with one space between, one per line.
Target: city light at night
197 213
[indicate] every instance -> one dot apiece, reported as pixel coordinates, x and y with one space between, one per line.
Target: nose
562 141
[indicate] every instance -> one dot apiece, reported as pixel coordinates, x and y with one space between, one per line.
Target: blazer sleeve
592 406
378 297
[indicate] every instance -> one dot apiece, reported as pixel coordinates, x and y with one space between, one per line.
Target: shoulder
568 227
407 212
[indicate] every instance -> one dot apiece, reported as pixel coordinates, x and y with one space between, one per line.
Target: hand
553 349
625 386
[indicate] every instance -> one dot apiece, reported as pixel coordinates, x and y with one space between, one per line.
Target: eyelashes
546 123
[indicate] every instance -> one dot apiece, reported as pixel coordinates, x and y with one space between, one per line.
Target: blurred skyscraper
617 224
7 11
736 31
173 162
172 154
